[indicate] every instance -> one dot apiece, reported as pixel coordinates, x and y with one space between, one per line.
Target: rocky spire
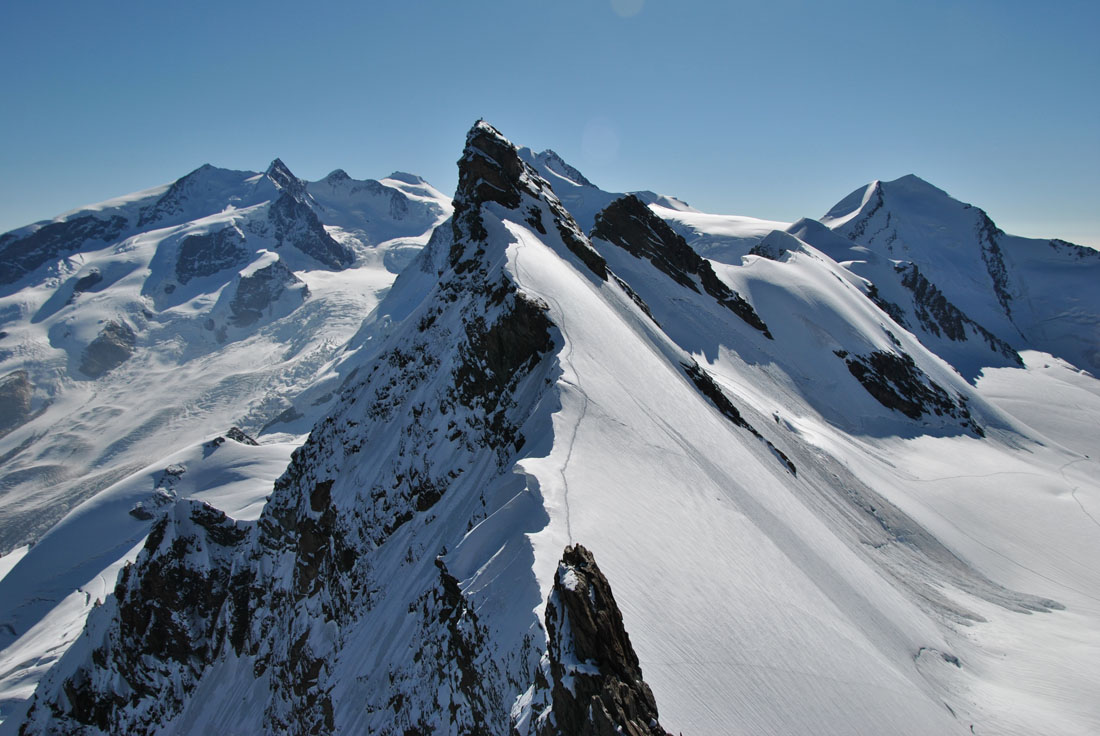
590 682
492 172
284 180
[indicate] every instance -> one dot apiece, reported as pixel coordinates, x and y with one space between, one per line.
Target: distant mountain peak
558 165
280 174
912 181
407 178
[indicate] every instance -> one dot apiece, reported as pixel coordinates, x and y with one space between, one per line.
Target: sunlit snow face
627 8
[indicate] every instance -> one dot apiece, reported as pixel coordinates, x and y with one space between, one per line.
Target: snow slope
812 522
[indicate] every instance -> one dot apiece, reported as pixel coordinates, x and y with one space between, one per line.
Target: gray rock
112 348
205 255
593 683
259 291
15 400
631 225
20 256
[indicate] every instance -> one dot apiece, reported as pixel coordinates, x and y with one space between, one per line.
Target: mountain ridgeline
522 398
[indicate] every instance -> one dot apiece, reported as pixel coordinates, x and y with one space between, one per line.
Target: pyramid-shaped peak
483 128
280 174
552 161
913 184
490 168
278 168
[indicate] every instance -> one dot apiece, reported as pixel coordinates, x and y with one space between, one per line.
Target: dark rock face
164 629
492 171
632 226
722 403
284 180
897 383
591 680
294 223
937 315
19 256
88 282
205 255
238 435
988 234
15 400
173 203
113 347
497 355
896 312
450 650
259 291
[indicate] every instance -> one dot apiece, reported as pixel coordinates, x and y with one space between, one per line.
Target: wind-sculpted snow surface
814 527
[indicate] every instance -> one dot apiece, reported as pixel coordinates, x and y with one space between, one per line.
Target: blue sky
772 108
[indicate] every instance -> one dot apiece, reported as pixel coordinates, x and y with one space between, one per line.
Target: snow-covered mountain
814 517
948 273
133 329
182 310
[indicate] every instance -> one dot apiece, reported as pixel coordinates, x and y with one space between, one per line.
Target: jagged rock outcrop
21 255
292 221
155 635
897 383
630 224
491 170
112 347
206 254
286 181
590 681
257 292
238 435
937 315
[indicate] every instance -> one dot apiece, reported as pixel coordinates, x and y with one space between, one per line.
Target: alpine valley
348 457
